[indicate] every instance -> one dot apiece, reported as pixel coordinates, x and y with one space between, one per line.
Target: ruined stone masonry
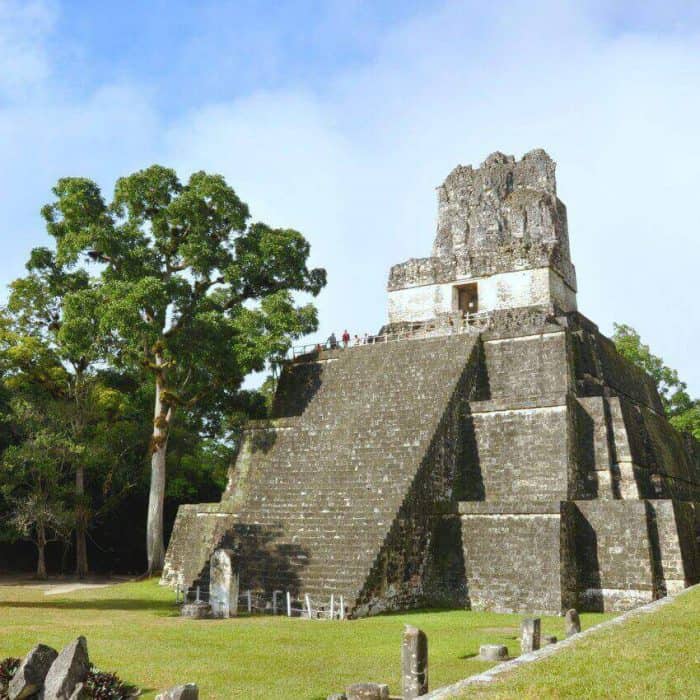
505 457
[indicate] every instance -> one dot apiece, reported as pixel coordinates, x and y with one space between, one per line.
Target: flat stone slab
197 611
29 677
493 652
367 691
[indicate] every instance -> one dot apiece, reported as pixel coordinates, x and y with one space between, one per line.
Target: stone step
331 482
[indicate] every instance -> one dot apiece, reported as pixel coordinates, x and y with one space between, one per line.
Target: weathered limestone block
223 584
29 677
572 623
337 696
367 691
68 670
414 663
493 652
530 634
189 691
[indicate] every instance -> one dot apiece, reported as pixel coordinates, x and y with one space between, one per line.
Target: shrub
108 686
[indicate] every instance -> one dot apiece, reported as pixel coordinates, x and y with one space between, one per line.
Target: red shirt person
346 338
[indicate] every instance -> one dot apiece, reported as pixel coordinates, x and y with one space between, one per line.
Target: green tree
32 481
52 312
188 289
682 411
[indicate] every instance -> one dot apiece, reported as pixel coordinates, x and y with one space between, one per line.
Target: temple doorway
468 298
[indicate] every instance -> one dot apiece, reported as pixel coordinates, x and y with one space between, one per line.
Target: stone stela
522 467
530 629
414 663
223 584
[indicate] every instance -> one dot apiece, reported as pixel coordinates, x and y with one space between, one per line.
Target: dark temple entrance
468 298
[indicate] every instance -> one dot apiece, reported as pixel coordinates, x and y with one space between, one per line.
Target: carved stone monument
414 663
530 634
223 584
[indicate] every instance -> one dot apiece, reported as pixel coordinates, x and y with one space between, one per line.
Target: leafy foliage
682 411
167 289
33 475
107 686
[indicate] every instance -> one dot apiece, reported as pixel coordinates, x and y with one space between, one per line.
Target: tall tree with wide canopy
188 289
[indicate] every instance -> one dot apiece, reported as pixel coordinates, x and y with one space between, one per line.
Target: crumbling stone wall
503 212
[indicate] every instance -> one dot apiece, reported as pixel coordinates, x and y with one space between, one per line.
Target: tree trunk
155 547
81 561
41 547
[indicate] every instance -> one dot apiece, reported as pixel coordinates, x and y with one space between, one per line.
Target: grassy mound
653 655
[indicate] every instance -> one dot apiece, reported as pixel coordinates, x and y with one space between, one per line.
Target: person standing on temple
346 338
332 341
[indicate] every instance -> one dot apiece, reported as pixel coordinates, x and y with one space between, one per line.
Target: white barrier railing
471 323
255 603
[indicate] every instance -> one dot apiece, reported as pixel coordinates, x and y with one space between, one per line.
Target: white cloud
354 166
23 27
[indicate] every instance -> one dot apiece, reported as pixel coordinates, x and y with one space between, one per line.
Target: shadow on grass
414 611
160 607
468 656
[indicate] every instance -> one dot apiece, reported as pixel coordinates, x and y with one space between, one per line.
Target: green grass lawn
134 630
649 656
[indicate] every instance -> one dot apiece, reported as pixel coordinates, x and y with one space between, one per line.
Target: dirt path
60 586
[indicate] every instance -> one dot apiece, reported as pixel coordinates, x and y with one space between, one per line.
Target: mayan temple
490 449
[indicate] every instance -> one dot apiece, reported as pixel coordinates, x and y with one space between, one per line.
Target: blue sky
340 118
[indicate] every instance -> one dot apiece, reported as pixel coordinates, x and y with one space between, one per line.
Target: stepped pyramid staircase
317 492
